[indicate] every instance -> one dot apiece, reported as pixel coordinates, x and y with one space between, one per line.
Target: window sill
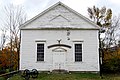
40 61
78 61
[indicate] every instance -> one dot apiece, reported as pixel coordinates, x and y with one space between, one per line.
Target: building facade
59 38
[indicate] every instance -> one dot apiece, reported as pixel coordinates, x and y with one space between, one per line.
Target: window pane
40 52
78 52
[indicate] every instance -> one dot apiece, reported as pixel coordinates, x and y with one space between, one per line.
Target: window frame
40 42
77 42
40 52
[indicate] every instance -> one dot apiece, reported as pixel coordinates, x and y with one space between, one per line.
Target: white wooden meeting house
59 38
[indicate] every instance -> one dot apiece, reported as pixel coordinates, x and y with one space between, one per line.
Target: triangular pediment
59 16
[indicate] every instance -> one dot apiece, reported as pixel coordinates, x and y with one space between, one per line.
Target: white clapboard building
59 38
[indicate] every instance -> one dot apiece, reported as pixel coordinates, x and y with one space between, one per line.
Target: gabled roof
59 3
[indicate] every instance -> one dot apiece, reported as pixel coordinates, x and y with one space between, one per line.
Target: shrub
111 60
2 78
2 71
111 65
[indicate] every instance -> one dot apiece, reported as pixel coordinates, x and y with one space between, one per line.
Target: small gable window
40 52
78 52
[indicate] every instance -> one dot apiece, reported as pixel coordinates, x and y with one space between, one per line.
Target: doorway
58 60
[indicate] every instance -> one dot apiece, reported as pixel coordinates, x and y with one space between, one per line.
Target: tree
14 17
109 51
119 43
5 55
112 32
3 38
101 17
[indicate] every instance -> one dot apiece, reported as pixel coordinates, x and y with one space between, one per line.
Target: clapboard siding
52 25
90 49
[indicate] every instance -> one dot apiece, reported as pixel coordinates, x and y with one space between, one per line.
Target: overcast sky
34 7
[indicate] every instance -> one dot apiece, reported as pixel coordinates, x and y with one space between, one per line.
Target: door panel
59 60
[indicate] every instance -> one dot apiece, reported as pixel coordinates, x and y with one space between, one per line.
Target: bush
2 71
111 66
2 78
7 70
111 60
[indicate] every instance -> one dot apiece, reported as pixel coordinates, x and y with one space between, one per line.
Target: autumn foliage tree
14 17
109 50
6 58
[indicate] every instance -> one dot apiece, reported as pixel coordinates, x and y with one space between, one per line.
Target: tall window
78 52
40 52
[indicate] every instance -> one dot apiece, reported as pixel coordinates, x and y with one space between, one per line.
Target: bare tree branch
14 17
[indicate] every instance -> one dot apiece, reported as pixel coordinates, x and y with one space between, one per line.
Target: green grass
72 76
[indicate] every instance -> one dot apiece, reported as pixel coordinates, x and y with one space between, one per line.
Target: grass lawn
72 76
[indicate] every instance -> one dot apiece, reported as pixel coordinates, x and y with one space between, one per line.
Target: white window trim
40 42
78 42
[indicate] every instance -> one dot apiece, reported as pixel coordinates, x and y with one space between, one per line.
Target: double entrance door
59 59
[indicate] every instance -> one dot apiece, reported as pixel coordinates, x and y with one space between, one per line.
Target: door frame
57 62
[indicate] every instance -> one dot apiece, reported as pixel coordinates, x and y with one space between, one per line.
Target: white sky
34 7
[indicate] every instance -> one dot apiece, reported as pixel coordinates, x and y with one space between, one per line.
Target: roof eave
59 28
